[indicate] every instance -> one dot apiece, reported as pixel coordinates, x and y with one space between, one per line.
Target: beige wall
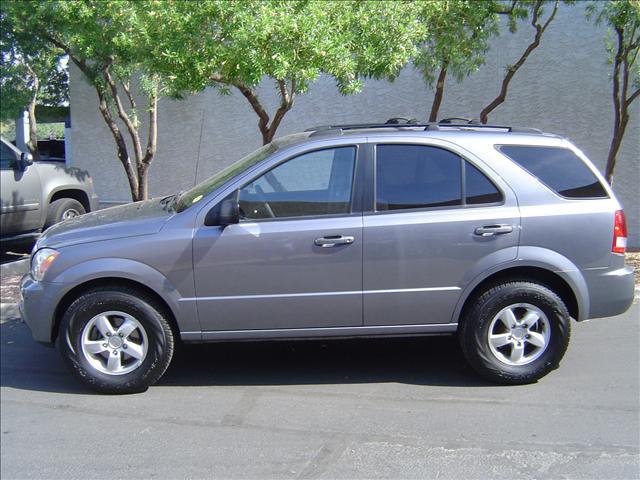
563 88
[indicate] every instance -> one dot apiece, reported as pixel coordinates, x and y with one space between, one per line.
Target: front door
295 259
437 220
21 194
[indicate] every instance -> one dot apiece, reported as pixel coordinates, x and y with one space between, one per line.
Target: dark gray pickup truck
35 195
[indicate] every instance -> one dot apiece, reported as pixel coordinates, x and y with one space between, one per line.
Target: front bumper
610 291
38 306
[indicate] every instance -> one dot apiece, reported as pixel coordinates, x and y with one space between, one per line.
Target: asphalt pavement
403 408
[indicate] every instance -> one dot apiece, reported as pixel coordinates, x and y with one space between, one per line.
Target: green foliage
44 130
457 36
229 43
29 69
93 33
623 18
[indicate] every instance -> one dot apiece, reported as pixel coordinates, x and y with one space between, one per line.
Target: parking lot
403 408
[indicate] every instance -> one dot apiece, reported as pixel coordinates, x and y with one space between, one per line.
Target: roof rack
444 124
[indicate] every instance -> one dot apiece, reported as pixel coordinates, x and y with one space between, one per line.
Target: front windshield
201 190
197 193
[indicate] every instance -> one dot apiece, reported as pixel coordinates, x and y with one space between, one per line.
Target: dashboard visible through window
315 183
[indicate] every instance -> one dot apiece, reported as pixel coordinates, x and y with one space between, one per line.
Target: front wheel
515 333
116 340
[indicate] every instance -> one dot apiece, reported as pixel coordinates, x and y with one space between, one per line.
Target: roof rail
396 122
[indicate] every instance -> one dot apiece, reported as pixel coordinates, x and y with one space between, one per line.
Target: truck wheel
63 209
515 333
116 340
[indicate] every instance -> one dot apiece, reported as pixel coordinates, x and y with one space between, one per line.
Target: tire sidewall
87 307
58 207
486 310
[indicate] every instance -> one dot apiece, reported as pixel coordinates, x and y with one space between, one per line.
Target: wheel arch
105 282
73 193
543 276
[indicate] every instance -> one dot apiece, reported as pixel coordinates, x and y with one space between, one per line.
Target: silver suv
498 234
35 195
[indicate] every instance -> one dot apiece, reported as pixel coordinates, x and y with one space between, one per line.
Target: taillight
619 233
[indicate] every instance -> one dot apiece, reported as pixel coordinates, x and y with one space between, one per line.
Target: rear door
436 221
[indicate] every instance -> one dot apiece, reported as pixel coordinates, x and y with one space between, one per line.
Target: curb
9 311
19 267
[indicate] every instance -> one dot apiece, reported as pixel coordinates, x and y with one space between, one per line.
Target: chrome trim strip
321 294
25 207
409 290
344 332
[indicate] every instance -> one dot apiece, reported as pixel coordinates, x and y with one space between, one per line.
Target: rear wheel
63 209
515 332
116 340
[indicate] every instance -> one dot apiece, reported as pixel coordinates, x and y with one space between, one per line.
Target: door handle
491 230
333 241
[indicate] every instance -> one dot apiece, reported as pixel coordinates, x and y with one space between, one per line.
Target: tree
290 43
31 73
536 8
623 17
109 45
456 39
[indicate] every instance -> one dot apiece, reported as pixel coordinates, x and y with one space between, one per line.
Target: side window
478 188
7 157
416 176
558 168
315 183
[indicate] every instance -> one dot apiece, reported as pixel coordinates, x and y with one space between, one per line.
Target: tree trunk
268 131
33 131
620 100
121 145
33 125
511 71
143 184
439 93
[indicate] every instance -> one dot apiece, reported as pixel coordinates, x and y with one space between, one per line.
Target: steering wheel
267 207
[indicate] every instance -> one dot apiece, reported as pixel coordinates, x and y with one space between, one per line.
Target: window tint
316 183
414 176
559 168
7 157
478 188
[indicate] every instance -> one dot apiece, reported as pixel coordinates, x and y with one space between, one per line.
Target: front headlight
41 261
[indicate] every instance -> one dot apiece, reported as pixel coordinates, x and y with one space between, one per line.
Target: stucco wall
563 88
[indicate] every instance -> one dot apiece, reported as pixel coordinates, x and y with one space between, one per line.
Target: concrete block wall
563 88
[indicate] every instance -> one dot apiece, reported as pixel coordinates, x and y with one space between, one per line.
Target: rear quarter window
558 168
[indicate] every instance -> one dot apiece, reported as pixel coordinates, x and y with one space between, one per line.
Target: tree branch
439 93
152 138
122 113
540 29
508 10
127 90
252 98
121 145
633 96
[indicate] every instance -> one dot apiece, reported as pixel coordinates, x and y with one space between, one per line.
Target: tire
519 355
63 209
128 352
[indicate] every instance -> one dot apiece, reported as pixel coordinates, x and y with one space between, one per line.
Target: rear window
558 168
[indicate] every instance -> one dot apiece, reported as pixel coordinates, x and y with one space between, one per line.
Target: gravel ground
10 289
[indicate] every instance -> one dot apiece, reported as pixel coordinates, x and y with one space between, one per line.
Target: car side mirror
227 212
25 160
